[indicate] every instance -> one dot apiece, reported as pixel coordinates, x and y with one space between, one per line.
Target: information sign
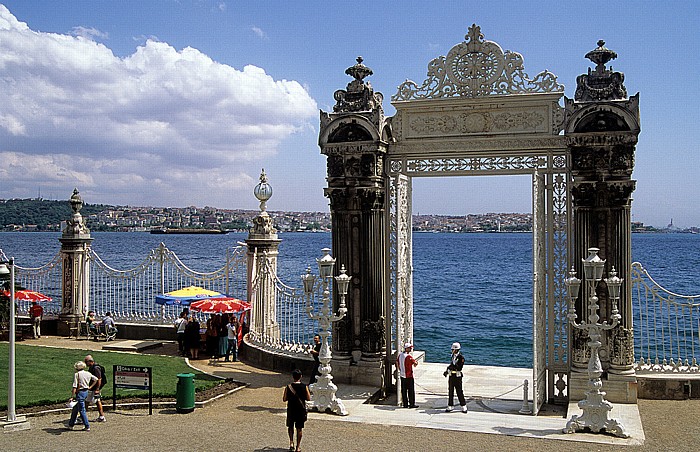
132 377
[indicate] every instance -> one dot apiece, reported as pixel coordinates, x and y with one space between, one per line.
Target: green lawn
45 375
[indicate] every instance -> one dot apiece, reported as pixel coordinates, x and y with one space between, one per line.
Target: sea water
475 289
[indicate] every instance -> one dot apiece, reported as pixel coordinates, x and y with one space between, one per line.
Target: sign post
132 377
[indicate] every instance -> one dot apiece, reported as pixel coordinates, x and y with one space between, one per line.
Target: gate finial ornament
473 38
359 95
75 225
359 71
603 83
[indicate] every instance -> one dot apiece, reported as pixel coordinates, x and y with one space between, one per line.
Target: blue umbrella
167 300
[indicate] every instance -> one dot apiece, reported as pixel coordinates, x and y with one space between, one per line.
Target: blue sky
175 103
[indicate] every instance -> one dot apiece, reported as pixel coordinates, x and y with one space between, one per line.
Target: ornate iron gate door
403 260
539 294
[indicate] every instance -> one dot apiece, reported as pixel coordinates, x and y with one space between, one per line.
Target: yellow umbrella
185 295
194 292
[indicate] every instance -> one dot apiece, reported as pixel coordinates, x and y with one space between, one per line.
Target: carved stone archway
477 113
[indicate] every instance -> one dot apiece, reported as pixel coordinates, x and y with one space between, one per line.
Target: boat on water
187 231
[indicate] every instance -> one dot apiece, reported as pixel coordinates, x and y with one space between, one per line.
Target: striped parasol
220 305
28 295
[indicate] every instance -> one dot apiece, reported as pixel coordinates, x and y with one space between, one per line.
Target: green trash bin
184 393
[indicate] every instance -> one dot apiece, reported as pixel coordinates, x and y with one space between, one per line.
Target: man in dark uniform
454 381
315 352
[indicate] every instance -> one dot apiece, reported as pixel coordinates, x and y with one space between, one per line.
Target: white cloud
89 33
258 31
157 120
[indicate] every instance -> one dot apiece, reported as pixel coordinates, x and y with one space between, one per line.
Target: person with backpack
296 395
94 394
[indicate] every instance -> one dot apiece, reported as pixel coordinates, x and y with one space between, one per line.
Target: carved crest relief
476 68
477 122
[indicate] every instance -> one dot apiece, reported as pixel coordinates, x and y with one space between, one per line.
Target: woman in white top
82 382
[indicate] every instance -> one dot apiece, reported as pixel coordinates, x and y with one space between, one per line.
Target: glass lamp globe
263 191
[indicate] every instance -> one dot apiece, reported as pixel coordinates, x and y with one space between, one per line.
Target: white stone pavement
491 410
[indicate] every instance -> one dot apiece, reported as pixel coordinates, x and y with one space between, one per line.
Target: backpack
103 371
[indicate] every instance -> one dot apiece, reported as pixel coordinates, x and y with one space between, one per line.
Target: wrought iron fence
666 326
291 331
130 294
45 279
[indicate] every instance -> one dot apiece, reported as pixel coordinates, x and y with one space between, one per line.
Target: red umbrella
219 305
28 295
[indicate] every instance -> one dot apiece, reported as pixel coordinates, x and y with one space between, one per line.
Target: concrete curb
137 405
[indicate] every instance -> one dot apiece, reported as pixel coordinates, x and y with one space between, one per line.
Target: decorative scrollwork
476 68
475 164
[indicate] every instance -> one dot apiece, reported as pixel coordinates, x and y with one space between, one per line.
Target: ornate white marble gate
478 113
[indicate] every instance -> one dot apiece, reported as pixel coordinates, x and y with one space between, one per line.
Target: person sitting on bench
91 324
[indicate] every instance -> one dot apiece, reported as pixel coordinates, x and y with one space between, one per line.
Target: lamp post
12 422
323 391
595 407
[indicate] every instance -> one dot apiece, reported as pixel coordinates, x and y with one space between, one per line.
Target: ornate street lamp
323 391
12 422
595 407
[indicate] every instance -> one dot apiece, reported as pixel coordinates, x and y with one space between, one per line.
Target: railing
291 331
130 294
45 279
666 326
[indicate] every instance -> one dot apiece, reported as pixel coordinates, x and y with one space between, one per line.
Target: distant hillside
40 212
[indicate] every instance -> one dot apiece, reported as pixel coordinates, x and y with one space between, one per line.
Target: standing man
36 312
405 363
95 392
454 382
180 325
315 352
232 337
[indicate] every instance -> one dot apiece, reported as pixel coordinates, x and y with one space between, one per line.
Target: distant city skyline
177 103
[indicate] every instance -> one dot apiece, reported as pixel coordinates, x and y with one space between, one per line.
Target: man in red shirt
405 363
36 312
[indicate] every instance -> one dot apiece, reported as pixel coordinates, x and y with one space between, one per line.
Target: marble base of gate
618 388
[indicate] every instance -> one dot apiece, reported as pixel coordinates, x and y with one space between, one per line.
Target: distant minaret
670 225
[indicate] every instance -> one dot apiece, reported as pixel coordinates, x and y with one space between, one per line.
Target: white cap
407 345
456 346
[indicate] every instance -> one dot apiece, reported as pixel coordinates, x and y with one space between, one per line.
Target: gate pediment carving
476 68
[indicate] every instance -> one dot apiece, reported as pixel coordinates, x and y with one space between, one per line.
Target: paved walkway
253 419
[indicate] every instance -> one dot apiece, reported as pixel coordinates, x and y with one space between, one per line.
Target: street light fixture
595 407
12 422
323 391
